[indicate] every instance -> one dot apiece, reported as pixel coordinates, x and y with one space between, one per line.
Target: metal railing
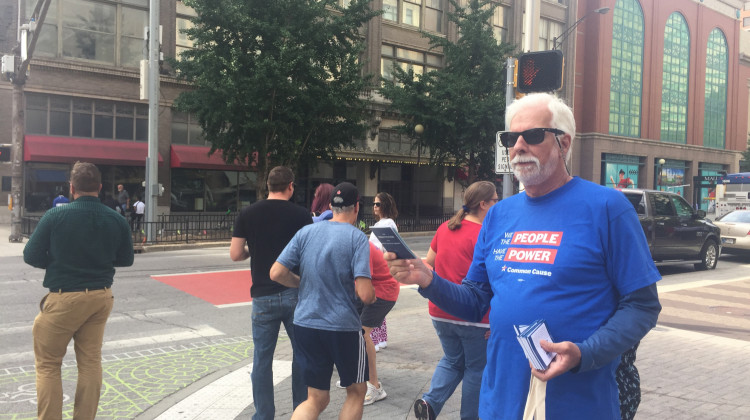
410 223
188 228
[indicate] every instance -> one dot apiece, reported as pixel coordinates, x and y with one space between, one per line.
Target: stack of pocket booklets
529 337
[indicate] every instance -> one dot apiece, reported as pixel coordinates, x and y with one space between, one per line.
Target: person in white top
139 208
384 208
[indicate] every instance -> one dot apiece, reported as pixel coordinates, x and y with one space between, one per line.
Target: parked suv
676 233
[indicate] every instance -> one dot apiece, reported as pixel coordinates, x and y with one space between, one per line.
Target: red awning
70 149
196 157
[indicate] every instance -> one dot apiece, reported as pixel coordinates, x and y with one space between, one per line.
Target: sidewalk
7 248
684 375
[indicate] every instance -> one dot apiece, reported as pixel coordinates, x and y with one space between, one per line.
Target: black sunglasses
532 136
376 204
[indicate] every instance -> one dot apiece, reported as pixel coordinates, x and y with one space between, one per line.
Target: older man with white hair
565 250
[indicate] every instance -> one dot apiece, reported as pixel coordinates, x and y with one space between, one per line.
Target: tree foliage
278 81
462 105
745 159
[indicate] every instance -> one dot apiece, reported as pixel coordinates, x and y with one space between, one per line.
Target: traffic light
539 71
4 153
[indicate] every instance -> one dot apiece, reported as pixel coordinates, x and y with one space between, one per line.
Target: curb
144 249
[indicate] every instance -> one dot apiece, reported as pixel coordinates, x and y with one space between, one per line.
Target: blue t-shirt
60 200
566 257
330 255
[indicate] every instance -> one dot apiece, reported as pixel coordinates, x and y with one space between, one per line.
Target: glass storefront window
43 182
620 171
211 191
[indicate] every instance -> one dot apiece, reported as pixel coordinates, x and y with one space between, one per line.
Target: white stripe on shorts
362 359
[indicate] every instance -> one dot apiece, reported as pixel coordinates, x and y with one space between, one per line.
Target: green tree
279 82
462 105
745 159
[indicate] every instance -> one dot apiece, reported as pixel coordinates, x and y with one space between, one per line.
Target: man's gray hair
562 115
340 210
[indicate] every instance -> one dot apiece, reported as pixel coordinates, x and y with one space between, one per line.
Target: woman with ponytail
464 343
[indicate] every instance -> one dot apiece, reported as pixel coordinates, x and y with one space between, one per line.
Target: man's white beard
535 175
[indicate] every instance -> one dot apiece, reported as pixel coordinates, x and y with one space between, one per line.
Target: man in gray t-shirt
334 266
123 199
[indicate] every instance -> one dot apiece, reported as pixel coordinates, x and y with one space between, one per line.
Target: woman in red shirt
464 343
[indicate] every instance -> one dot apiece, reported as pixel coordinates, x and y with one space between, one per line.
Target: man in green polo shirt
79 245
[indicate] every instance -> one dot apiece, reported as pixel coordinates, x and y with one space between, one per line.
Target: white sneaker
338 385
377 347
374 394
383 344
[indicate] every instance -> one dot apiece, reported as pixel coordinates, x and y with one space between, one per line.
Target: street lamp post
418 130
661 167
557 41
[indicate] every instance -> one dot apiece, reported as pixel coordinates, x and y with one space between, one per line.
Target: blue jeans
268 314
465 354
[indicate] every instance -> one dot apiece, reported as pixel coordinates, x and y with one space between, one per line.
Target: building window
626 83
104 32
411 12
715 113
548 31
182 22
390 10
417 61
186 129
674 96
501 23
81 117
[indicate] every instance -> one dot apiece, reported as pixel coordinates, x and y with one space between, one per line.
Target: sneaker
423 411
383 344
377 347
374 394
338 385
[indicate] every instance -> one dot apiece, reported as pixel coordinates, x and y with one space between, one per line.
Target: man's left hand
568 357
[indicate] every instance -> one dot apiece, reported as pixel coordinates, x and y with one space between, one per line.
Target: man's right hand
409 271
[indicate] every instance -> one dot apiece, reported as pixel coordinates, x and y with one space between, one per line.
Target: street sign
502 160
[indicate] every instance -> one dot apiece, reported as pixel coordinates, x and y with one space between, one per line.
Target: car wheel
709 256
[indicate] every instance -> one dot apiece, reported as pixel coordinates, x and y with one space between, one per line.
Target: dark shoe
423 411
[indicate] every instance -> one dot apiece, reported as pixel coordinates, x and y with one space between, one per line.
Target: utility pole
27 36
152 160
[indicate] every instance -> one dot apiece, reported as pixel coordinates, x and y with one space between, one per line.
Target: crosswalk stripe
704 301
706 317
665 288
224 398
200 331
150 315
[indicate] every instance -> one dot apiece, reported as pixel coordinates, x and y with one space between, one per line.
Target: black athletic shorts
319 350
373 315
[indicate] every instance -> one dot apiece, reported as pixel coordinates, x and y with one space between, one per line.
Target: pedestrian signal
539 71
4 153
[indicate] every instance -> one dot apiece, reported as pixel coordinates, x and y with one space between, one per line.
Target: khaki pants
80 316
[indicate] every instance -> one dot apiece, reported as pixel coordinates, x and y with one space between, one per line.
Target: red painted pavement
216 288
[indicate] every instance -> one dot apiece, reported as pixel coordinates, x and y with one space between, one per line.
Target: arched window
715 113
626 82
674 91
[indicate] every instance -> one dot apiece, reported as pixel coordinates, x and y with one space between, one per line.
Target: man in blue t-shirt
567 251
334 266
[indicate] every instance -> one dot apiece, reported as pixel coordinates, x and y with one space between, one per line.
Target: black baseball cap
344 195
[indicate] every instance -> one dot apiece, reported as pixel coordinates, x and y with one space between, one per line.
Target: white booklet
393 242
529 337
